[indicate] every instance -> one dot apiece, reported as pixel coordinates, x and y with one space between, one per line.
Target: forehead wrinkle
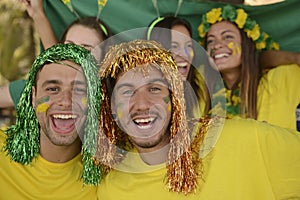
78 69
53 81
78 82
148 82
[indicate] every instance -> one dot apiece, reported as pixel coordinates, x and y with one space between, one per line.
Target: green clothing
15 90
272 18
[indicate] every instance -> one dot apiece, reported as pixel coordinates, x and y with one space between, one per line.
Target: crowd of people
152 114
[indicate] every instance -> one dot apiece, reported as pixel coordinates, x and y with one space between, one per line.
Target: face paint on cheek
189 52
230 46
167 101
119 110
239 49
42 100
84 101
236 49
169 108
42 105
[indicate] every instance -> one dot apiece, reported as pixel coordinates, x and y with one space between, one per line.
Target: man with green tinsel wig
47 153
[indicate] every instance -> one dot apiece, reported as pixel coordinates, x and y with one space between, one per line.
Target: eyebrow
83 45
75 82
222 33
47 82
155 80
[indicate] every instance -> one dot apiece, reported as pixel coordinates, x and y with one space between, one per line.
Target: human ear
113 109
33 94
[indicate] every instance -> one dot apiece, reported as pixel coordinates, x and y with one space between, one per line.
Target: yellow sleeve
280 152
279 95
2 139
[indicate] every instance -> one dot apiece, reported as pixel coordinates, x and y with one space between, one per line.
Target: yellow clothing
250 160
42 179
279 95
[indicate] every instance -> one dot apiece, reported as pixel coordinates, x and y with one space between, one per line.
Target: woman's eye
229 37
189 46
174 47
209 41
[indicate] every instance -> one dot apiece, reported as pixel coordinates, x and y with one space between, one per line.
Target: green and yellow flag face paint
42 104
167 100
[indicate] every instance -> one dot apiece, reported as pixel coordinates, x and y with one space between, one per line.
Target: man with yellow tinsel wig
145 142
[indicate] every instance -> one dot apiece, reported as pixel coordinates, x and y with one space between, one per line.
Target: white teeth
221 55
144 120
182 65
145 127
64 116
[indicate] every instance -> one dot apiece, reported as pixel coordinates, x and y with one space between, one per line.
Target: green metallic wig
139 55
22 143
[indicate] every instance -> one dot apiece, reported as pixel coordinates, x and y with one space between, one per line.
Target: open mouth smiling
221 55
182 65
144 123
63 123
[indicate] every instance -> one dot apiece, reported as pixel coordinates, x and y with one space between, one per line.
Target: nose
218 43
65 99
182 52
140 100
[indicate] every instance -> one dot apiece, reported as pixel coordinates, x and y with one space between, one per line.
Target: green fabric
16 89
279 20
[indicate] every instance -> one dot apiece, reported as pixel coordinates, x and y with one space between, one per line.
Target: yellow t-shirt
279 95
250 160
42 179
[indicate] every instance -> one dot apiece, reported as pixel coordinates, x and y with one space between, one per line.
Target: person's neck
59 154
155 155
231 78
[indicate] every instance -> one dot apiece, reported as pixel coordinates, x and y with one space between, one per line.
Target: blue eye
79 90
128 93
154 89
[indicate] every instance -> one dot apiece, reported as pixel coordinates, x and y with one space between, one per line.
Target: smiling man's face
59 98
142 105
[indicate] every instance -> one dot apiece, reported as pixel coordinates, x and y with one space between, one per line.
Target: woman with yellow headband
175 34
233 40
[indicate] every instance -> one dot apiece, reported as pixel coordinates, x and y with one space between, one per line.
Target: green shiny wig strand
22 143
